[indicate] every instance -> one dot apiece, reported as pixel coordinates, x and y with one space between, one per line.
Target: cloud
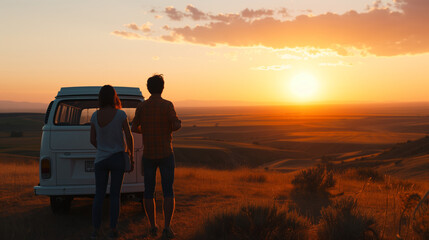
249 13
195 13
284 12
144 28
291 56
335 64
169 38
273 68
127 35
229 17
305 53
173 14
380 31
132 26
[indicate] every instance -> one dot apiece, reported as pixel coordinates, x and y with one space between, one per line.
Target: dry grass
255 222
15 179
343 219
384 200
253 177
237 140
421 217
421 227
313 180
366 173
200 193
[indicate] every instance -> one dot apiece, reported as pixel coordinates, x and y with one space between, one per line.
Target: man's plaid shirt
156 116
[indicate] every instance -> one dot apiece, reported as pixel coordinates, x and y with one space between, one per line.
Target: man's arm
136 125
176 124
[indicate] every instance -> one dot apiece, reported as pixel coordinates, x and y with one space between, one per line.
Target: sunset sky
237 52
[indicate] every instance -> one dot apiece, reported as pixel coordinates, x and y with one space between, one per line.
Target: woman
107 127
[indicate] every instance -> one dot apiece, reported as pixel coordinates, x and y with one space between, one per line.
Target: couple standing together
155 119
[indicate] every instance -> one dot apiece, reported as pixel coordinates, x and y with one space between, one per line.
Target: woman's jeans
115 164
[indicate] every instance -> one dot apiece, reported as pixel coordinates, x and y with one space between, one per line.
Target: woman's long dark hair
108 97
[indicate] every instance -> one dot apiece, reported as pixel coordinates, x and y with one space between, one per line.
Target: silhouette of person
156 119
108 125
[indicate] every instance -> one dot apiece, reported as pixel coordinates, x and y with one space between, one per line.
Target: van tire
60 204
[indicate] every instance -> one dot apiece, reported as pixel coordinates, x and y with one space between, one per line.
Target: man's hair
108 97
155 84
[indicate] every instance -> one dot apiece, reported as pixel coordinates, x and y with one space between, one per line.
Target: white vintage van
66 165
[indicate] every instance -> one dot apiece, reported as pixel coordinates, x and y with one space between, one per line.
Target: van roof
94 90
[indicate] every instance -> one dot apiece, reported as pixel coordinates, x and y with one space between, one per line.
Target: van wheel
60 204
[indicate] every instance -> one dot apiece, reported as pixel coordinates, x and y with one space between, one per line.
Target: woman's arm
130 141
128 137
93 137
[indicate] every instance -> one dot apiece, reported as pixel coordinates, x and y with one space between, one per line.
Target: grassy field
29 125
200 194
229 161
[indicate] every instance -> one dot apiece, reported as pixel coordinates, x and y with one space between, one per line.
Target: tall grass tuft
400 185
365 173
344 220
421 227
313 180
253 178
421 218
255 222
310 191
414 216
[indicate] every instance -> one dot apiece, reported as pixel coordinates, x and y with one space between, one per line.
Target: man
156 119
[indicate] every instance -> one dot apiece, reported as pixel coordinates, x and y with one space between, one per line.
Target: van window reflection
79 112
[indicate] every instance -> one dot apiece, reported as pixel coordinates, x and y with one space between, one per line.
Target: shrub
401 185
255 222
421 215
313 180
366 173
327 162
421 227
414 210
254 178
344 220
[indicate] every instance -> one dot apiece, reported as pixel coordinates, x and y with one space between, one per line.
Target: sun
304 86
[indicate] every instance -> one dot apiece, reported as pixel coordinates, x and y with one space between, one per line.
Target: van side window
74 113
79 112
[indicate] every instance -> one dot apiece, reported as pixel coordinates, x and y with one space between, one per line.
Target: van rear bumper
84 189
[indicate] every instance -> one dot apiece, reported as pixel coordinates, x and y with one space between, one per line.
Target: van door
70 141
